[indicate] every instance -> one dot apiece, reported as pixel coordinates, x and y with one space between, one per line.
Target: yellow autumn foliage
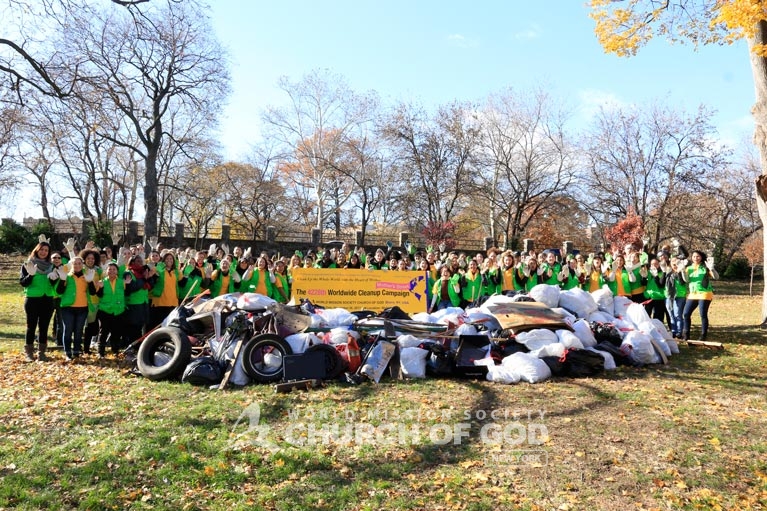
624 26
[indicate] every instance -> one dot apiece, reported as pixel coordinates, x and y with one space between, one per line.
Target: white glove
212 250
115 239
272 278
663 266
236 276
152 241
208 270
643 272
104 267
70 246
682 264
248 274
150 265
248 252
30 267
182 259
53 275
442 247
121 261
561 276
89 275
540 270
653 271
225 248
526 270
62 272
710 263
630 267
566 270
605 267
615 265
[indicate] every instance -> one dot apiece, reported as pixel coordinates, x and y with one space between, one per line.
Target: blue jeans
689 308
675 308
73 319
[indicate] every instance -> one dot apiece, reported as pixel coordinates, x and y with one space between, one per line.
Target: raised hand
70 246
43 239
89 275
212 250
30 267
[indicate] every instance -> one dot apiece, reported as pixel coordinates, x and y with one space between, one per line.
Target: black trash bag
556 365
581 363
203 371
621 358
394 313
440 361
606 332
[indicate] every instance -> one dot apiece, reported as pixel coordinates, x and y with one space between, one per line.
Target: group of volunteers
110 297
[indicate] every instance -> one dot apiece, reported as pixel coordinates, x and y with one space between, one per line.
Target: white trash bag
530 368
413 362
546 294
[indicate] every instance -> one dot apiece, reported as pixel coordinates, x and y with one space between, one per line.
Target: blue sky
436 52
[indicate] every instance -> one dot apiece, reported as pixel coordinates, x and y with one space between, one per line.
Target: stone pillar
567 248
528 245
488 242
316 238
132 235
271 234
226 233
178 235
403 237
358 238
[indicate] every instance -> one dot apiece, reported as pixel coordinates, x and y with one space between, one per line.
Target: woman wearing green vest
111 292
700 293
473 284
37 277
676 295
75 302
166 290
137 303
446 291
655 290
619 279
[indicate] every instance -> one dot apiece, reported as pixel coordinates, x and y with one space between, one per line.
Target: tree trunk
150 195
759 111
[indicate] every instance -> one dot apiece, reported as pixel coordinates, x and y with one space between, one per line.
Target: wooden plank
659 350
228 372
706 344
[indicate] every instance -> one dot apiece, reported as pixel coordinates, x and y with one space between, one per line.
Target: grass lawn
688 435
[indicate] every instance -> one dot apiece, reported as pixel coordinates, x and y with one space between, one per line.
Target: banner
356 290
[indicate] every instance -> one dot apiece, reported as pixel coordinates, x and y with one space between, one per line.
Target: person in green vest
619 278
473 284
570 273
529 274
37 278
638 283
219 280
655 290
75 305
112 292
700 292
446 291
166 292
281 287
137 303
552 269
676 294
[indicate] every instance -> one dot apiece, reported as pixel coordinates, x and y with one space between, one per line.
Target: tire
335 365
263 357
164 354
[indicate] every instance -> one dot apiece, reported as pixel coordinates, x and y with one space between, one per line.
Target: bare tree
322 114
643 160
149 64
436 154
526 159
